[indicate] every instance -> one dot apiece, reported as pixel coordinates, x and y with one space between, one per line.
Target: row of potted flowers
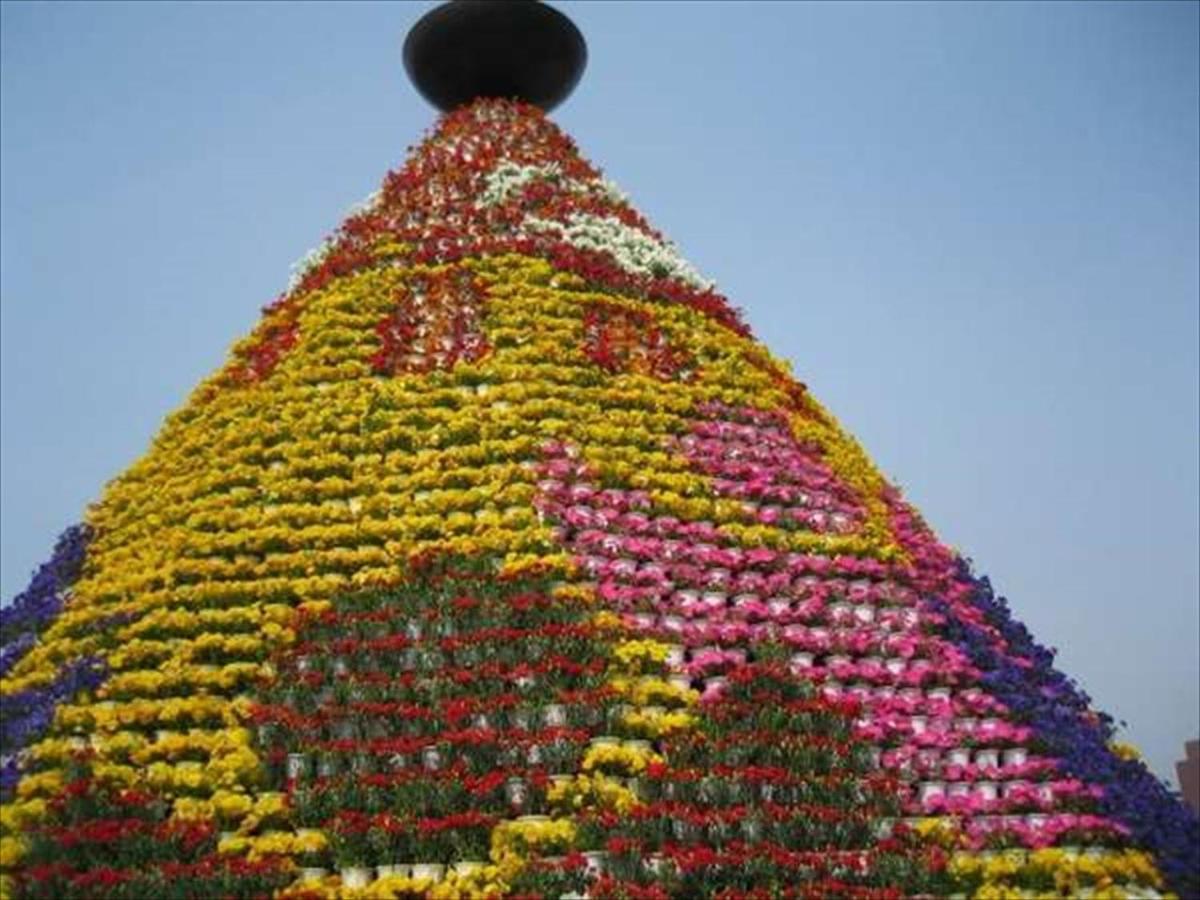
1020 673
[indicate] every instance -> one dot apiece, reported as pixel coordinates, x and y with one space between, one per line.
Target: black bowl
518 49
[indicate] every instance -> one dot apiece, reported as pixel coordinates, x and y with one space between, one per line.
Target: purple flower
27 715
1058 712
35 607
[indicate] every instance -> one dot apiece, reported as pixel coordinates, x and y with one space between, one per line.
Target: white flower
633 250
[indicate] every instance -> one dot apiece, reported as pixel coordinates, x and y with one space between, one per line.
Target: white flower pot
987 759
680 682
297 766
927 790
986 790
313 873
673 624
958 756
596 861
1016 756
515 792
657 864
430 871
354 877
466 867
431 758
554 716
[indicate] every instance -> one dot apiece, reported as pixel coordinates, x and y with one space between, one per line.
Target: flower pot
297 766
466 867
520 718
595 861
958 756
643 621
1016 756
396 870
313 873
554 716
986 790
431 758
430 871
516 793
802 660
354 877
715 685
680 682
657 864
927 790
987 759
674 659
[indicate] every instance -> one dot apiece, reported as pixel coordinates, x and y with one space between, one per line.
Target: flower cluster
434 326
619 339
33 608
499 558
92 839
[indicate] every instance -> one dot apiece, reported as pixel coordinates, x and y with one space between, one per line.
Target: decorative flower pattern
500 558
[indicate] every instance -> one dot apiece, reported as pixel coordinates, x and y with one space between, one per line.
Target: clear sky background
972 228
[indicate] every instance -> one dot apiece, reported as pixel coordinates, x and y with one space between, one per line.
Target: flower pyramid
501 559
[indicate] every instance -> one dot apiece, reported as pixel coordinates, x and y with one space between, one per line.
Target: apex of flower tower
517 49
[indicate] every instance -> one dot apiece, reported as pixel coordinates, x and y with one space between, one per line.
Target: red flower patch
435 325
618 339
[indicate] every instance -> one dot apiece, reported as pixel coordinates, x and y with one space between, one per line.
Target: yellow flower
640 655
630 758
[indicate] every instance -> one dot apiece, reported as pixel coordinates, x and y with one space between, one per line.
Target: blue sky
972 228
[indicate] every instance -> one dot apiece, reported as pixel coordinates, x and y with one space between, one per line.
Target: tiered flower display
500 559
